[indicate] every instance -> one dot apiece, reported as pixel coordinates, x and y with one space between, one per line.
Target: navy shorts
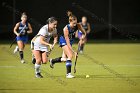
24 39
62 41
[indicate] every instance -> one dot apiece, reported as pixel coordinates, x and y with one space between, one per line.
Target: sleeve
42 32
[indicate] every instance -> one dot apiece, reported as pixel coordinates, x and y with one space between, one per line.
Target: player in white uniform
41 43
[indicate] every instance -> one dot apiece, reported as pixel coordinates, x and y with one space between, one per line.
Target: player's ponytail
69 13
23 14
51 20
71 16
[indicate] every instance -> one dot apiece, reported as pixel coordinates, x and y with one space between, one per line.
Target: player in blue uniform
66 41
22 29
86 26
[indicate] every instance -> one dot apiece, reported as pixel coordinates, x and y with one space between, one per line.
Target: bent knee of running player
44 58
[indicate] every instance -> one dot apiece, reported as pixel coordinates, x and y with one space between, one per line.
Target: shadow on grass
89 41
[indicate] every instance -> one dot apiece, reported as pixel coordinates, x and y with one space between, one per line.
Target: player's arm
82 30
66 35
42 41
76 34
30 29
16 28
89 29
55 36
42 34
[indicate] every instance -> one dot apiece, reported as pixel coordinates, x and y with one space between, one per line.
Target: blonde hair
71 16
23 14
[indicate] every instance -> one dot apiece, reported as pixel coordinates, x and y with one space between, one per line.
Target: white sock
37 68
16 46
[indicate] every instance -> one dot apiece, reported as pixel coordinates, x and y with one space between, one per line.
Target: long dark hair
51 20
71 16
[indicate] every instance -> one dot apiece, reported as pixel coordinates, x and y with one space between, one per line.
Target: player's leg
16 49
38 57
44 57
64 57
69 55
57 60
33 58
83 44
21 47
32 49
80 43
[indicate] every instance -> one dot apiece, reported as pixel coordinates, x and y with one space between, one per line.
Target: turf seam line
131 82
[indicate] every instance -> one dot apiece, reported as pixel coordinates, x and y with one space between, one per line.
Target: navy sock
21 54
68 66
56 60
82 47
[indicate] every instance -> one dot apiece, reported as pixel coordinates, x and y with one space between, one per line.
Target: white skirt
40 47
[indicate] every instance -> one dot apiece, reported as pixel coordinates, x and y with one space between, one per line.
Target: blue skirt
62 41
24 39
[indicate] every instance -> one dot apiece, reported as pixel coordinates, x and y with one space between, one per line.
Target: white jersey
45 33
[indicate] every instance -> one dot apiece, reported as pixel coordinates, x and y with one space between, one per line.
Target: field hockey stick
19 34
51 49
75 61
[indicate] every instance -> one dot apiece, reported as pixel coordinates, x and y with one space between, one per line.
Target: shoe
51 64
69 75
38 75
16 49
22 61
81 52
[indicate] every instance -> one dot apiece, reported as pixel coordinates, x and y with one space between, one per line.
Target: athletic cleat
16 49
81 52
69 75
38 75
51 64
22 61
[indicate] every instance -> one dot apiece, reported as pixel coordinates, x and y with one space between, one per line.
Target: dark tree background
123 14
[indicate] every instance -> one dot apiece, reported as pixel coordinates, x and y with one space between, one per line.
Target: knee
38 60
70 56
44 61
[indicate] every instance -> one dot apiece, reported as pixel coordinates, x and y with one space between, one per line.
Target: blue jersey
72 32
85 26
23 35
21 26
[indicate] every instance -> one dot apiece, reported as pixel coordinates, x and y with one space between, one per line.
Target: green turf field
113 68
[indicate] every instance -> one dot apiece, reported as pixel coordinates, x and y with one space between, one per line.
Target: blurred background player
66 41
22 29
41 43
82 41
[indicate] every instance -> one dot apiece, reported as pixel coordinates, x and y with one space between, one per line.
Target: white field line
80 65
13 67
124 65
